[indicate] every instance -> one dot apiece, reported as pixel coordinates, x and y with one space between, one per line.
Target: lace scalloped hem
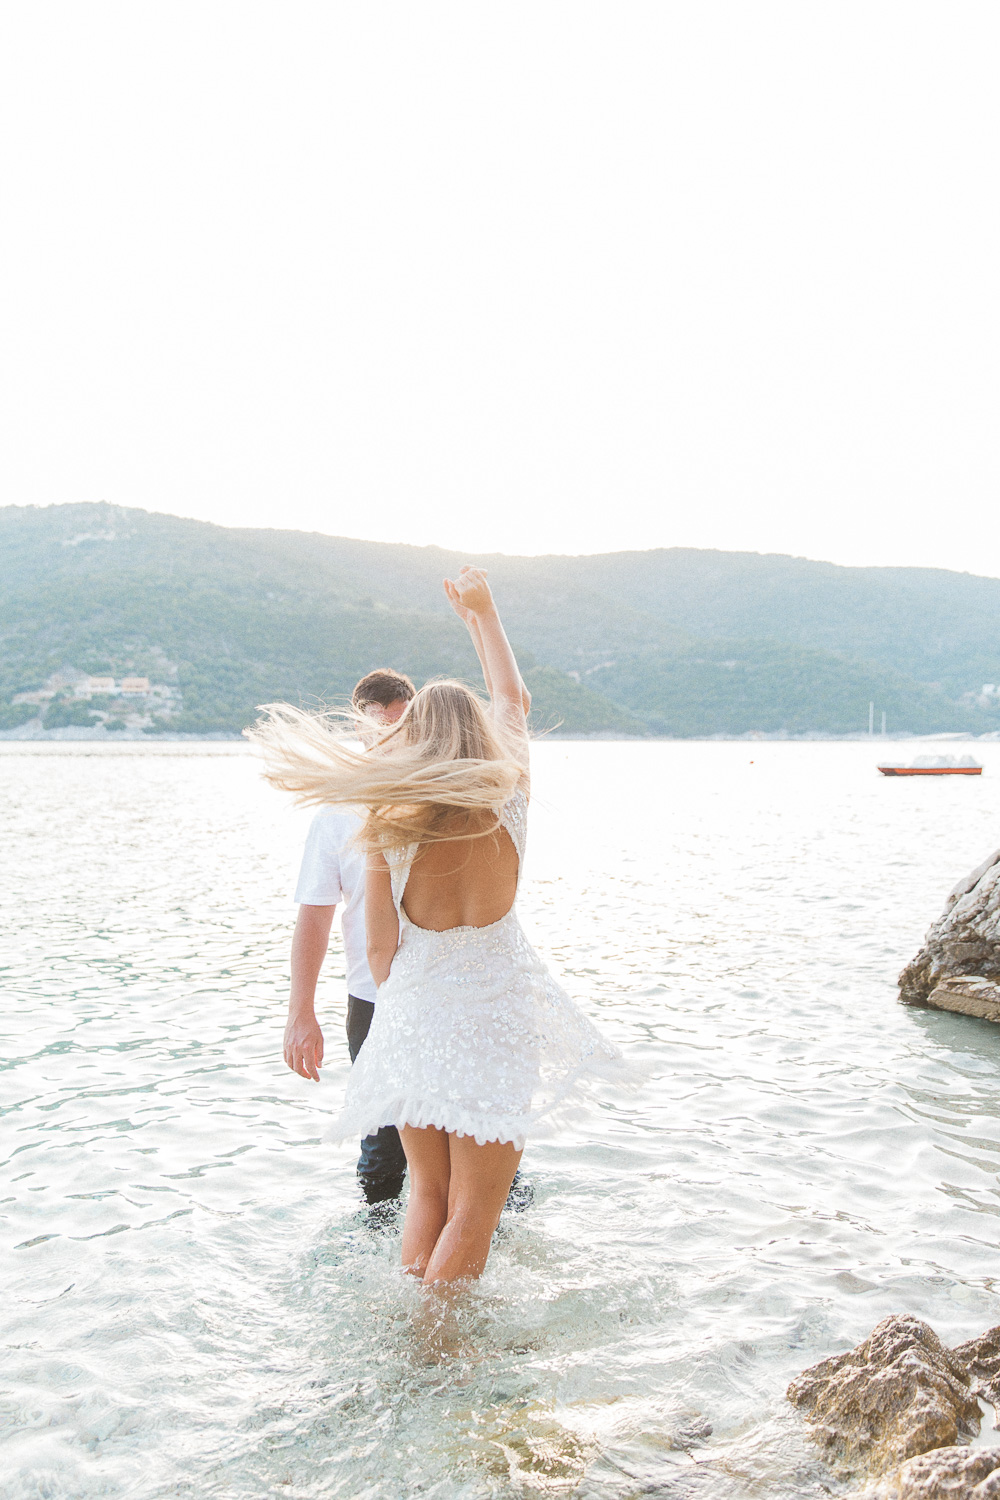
574 1101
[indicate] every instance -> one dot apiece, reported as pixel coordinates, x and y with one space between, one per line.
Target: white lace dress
471 1033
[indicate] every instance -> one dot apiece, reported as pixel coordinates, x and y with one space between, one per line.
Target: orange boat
931 770
935 765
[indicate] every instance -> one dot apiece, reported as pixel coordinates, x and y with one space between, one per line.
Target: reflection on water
195 1303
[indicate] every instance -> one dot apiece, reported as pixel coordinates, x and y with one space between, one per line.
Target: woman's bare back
462 882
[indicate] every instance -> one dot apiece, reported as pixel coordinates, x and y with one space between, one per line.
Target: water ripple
196 1305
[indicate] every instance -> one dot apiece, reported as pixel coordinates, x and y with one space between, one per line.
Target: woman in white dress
473 1045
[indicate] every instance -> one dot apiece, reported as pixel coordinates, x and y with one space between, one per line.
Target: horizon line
516 556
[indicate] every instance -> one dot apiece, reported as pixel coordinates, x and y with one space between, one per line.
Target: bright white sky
540 275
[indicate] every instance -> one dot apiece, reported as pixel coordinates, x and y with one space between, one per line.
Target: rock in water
947 1474
899 1393
965 940
981 1358
969 995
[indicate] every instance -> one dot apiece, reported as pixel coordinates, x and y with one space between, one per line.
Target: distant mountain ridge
672 641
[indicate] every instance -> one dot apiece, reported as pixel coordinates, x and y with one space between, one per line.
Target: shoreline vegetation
153 626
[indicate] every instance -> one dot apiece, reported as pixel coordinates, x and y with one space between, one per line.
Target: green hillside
731 687
925 623
676 642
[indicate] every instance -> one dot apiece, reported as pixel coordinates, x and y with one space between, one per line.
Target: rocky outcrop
964 942
970 995
897 1394
900 1410
981 1358
946 1474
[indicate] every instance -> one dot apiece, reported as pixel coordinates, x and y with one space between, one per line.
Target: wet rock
981 1358
970 995
897 1394
946 1474
964 941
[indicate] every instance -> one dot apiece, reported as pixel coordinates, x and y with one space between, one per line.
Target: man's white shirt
332 873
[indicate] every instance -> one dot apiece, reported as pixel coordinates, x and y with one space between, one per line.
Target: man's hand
304 1046
470 592
303 1038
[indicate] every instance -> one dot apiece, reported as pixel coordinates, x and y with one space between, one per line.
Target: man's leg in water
382 1163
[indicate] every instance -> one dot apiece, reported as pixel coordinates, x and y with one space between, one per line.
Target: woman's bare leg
427 1209
480 1181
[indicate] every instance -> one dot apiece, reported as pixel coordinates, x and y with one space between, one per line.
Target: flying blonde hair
443 756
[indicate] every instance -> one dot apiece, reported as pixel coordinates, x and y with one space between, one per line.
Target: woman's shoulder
400 855
516 802
514 815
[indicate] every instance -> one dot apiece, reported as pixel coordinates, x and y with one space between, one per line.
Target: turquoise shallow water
193 1304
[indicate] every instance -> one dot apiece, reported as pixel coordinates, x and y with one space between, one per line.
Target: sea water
195 1303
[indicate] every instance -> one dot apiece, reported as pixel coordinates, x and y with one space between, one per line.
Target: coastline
78 734
27 734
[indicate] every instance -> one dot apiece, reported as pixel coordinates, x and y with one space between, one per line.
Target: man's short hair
383 686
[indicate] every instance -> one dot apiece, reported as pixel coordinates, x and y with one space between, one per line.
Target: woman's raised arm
472 625
471 597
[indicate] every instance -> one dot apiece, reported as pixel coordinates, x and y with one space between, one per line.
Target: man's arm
303 1037
381 921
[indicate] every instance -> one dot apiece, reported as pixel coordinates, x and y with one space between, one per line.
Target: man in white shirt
333 872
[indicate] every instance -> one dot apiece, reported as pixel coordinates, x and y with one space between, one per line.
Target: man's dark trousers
382 1163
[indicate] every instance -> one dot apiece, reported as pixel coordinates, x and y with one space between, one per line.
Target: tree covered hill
926 623
669 641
